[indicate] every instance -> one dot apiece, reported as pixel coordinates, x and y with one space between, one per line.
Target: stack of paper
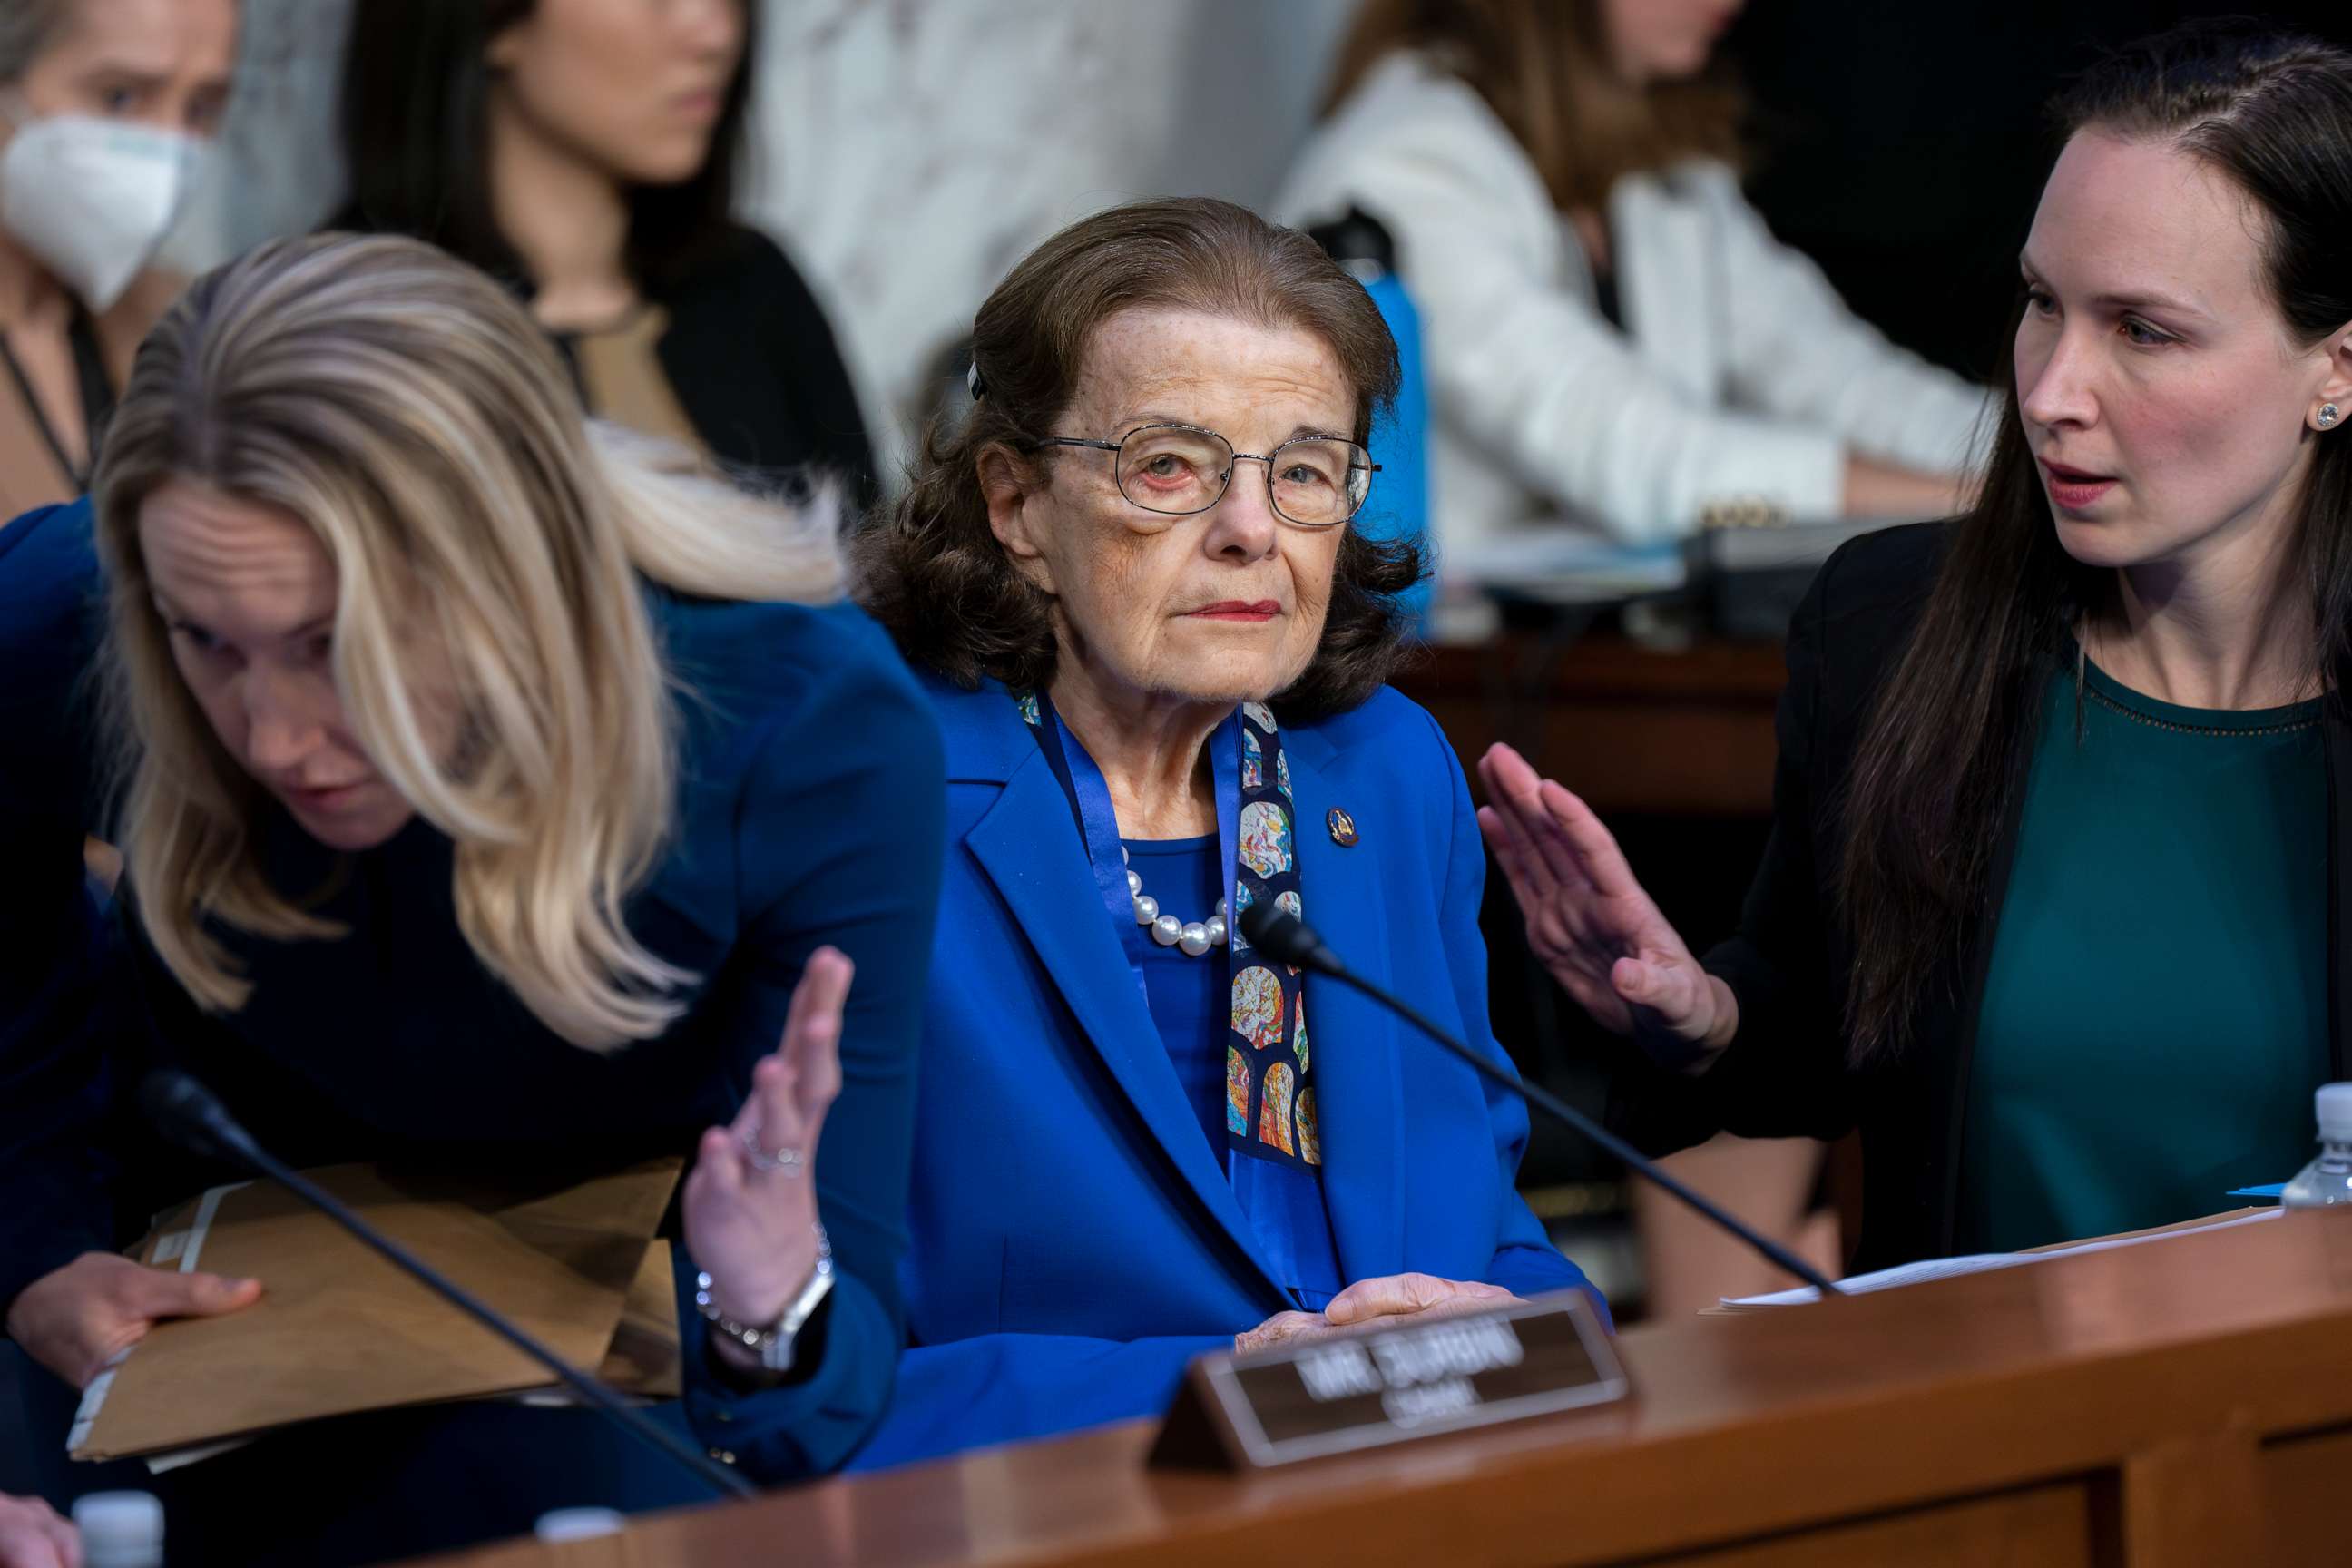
340 1330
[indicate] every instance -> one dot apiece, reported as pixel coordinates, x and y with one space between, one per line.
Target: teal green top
2156 1016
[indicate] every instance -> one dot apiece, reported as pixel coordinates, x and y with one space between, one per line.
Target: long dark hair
416 139
1939 762
932 570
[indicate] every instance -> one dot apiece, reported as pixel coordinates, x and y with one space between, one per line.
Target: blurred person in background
107 110
1611 333
585 153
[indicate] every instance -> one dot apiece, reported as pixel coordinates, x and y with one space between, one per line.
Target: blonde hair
1543 66
414 416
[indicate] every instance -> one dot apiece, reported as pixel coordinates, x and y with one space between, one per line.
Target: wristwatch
772 1344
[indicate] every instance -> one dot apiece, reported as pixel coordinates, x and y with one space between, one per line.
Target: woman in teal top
2156 1009
2067 965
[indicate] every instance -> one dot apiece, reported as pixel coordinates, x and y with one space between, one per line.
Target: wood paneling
2046 1527
1685 733
2154 1385
2306 1497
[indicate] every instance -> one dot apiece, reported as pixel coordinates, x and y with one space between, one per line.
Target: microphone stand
1285 937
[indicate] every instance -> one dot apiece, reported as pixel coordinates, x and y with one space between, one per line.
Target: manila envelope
339 1329
643 1359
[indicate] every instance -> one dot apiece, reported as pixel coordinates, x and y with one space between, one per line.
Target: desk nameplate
1375 1386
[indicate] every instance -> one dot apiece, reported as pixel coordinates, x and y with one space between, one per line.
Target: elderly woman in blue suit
1158 649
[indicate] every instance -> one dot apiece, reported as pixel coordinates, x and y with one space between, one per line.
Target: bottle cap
120 1530
578 1524
2334 1101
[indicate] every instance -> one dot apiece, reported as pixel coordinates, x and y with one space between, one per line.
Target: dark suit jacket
1787 1074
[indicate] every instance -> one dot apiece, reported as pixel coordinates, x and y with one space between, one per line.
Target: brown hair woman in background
585 154
1611 336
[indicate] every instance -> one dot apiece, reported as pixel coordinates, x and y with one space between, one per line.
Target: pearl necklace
1192 937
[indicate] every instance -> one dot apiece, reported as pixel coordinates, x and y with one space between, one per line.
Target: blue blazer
1076 1239
809 811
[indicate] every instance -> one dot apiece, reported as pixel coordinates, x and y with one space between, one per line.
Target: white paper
1979 1263
157 1464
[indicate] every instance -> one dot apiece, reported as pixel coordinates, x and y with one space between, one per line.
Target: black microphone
189 1114
1289 940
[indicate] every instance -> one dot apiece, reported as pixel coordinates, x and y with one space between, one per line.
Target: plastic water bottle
2328 1179
119 1530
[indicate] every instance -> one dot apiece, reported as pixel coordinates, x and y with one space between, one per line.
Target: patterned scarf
1269 1080
1269 1089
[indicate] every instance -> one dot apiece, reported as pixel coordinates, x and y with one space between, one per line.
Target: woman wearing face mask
106 108
470 754
1611 335
2052 904
585 152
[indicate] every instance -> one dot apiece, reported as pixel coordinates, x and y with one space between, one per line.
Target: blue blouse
1190 999
1187 994
810 812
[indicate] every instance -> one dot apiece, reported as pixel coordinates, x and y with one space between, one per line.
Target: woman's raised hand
751 1201
1592 925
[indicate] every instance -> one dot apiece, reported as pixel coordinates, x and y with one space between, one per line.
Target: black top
754 364
1786 1074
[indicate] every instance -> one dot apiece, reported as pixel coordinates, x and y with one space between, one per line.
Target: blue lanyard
1098 822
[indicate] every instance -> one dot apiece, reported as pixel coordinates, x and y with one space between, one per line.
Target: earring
2328 414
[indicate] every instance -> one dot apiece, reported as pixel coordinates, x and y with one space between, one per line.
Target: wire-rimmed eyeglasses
1177 471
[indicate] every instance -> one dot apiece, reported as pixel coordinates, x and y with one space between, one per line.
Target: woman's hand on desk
76 1319
1389 1296
1591 923
751 1201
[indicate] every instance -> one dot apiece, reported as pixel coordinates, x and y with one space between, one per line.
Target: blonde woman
492 792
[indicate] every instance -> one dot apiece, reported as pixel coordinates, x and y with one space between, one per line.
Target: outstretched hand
1591 923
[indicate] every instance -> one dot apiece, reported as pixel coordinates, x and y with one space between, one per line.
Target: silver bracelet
772 1345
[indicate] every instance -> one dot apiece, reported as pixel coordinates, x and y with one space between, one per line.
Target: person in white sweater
1612 335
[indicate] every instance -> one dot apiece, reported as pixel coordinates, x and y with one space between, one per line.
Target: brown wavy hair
931 571
1543 68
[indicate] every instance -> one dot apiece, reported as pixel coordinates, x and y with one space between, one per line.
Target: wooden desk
2186 1402
1683 733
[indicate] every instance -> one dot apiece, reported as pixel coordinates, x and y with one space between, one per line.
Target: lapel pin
1343 829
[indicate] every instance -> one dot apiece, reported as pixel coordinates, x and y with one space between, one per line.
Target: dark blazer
1787 1074
1076 1239
809 813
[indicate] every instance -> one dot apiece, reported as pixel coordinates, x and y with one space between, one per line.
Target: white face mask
94 198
